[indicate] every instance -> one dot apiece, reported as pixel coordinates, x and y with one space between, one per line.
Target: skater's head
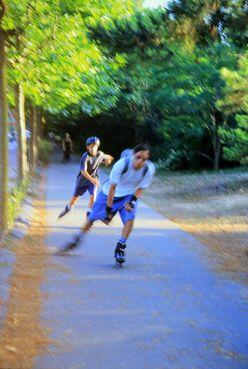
67 136
92 144
141 155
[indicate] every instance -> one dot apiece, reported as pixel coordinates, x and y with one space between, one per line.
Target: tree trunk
37 115
3 135
21 132
38 131
216 142
33 141
39 124
43 125
217 153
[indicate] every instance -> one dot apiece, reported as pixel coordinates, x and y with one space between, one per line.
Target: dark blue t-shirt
90 164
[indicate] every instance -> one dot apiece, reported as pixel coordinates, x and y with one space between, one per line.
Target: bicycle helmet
91 140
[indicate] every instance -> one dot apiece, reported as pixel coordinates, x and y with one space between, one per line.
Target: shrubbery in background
44 151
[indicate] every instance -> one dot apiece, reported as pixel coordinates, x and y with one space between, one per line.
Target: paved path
12 161
166 309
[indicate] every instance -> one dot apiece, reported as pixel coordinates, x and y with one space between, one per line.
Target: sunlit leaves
51 55
235 100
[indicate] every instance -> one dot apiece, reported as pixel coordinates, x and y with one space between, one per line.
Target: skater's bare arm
138 192
84 172
111 194
107 159
94 181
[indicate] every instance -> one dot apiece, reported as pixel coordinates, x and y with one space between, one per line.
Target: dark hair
142 147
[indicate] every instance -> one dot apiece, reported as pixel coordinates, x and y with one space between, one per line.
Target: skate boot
71 245
64 212
120 253
88 214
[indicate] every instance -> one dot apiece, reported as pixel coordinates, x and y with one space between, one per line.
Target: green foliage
173 89
236 88
172 162
51 55
176 78
15 200
237 141
138 30
236 101
44 150
202 22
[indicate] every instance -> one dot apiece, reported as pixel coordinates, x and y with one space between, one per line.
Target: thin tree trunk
217 153
43 125
216 142
37 128
21 132
3 135
38 131
33 140
39 124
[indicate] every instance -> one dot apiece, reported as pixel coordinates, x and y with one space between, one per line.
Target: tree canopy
174 76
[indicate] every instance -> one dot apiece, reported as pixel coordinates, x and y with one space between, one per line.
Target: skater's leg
91 201
73 201
79 191
93 193
68 207
121 244
127 229
86 227
98 212
77 239
95 215
90 205
127 217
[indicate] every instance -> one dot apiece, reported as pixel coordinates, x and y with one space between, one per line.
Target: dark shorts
99 208
80 190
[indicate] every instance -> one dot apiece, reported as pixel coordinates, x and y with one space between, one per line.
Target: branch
206 156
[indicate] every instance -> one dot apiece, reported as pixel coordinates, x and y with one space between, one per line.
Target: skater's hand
96 182
130 205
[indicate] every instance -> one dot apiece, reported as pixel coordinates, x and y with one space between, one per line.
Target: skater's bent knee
129 222
87 226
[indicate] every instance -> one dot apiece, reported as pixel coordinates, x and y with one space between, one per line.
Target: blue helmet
91 140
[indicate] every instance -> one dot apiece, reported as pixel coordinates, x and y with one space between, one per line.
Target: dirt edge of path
23 336
218 219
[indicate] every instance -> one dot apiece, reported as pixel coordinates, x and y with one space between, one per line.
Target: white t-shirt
132 179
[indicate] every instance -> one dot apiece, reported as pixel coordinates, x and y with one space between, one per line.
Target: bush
15 200
244 161
172 162
44 150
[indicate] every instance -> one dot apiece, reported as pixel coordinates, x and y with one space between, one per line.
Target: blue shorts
99 208
80 190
